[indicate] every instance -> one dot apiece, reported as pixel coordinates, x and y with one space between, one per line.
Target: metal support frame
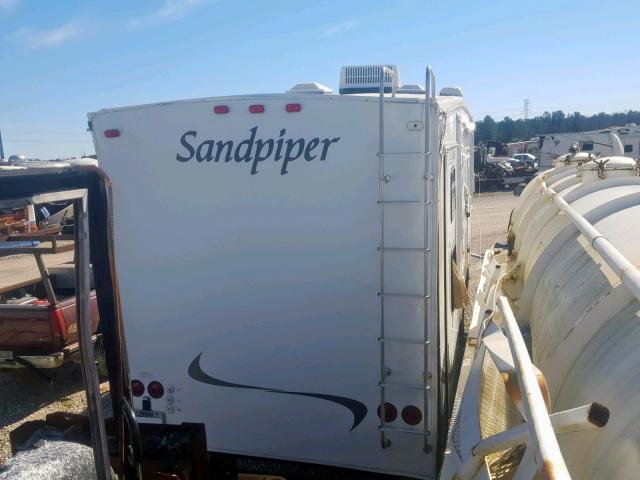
582 418
46 280
542 437
538 432
88 365
542 456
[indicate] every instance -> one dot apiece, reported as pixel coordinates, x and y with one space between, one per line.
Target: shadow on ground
22 392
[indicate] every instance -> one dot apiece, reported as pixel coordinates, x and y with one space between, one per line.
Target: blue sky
62 59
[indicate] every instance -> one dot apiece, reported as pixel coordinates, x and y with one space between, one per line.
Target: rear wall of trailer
250 290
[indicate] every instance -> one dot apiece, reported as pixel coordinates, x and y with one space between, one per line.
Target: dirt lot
490 218
24 396
23 268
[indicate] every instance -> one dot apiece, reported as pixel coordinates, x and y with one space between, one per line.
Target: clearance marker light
293 107
113 133
219 109
256 108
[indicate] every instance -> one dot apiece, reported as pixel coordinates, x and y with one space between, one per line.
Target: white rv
620 141
290 266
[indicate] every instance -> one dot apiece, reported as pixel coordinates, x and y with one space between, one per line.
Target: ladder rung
403 340
404 249
410 386
403 202
425 433
407 295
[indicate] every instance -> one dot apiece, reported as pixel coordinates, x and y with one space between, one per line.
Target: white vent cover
411 88
451 92
311 87
366 78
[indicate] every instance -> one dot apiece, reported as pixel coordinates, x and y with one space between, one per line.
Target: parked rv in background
616 141
546 148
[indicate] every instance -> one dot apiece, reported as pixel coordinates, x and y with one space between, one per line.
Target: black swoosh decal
358 409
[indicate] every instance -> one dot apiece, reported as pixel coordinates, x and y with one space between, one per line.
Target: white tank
585 330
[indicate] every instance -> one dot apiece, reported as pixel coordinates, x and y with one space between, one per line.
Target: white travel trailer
291 266
630 137
616 141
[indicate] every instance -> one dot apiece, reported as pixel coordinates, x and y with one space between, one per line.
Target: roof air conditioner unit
411 88
311 87
451 92
366 79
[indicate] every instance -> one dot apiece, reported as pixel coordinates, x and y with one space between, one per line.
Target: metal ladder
428 297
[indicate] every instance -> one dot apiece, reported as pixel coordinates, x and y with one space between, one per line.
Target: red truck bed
38 317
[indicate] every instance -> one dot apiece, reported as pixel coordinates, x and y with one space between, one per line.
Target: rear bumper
510 180
53 360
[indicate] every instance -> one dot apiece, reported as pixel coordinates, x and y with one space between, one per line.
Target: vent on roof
366 79
411 88
451 92
311 87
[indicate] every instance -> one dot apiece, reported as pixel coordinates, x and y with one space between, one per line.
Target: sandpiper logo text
254 150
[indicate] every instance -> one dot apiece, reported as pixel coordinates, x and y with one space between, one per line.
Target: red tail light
390 412
411 415
256 108
293 107
58 325
137 388
155 389
113 133
219 109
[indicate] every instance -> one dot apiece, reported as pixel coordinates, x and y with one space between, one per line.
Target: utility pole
1 147
525 110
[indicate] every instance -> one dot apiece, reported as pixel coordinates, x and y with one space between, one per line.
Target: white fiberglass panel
251 287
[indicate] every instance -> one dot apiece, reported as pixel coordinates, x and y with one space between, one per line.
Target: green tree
505 130
509 130
558 121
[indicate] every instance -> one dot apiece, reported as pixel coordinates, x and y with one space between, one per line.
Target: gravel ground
24 396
